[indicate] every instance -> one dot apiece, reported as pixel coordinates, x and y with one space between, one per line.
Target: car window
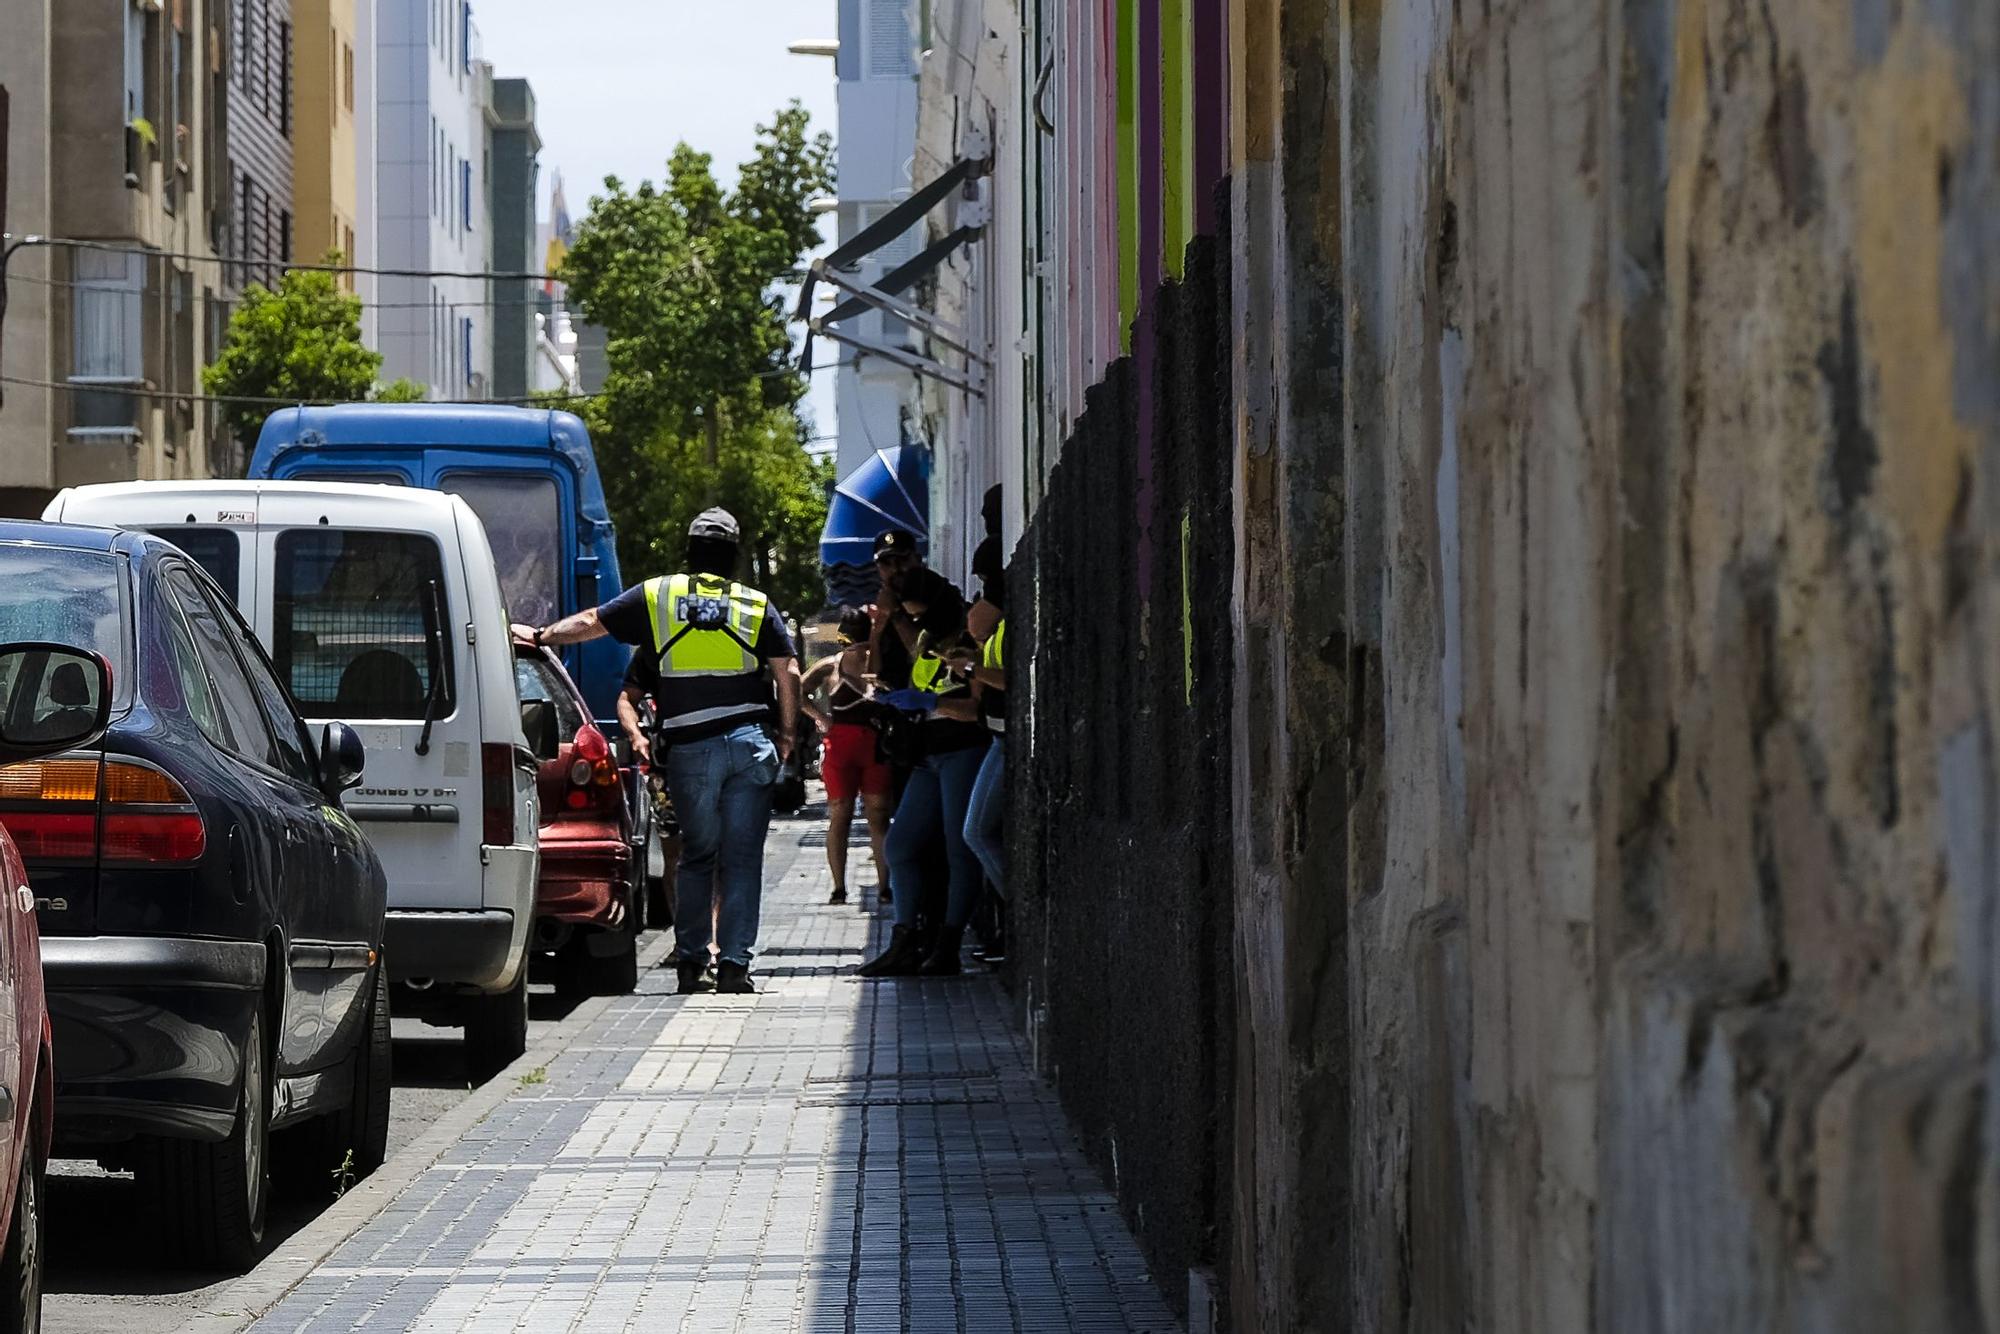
63 596
352 613
294 749
523 521
193 679
549 711
233 692
216 550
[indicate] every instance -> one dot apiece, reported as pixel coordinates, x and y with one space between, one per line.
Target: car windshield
524 526
549 711
356 621
59 595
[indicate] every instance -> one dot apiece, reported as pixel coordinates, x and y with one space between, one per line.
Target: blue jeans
985 821
934 804
722 793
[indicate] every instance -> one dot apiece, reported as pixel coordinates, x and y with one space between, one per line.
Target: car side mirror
53 698
341 758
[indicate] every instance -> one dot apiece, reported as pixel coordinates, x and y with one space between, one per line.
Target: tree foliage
300 343
700 404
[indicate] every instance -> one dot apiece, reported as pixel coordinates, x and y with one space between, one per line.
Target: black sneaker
733 979
839 896
693 977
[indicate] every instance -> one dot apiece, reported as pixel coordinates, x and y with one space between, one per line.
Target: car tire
496 1030
314 1159
21 1267
212 1199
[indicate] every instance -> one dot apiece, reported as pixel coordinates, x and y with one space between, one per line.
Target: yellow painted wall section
323 136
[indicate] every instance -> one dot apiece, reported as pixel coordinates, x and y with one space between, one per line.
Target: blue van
528 473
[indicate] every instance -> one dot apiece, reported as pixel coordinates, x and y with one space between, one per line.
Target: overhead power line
13 243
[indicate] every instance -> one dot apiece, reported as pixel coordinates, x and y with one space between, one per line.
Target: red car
52 698
587 918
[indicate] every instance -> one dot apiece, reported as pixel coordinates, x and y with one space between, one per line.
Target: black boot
839 896
693 977
943 961
899 960
733 979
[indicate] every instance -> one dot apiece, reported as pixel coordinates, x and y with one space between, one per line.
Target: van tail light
593 771
121 812
496 793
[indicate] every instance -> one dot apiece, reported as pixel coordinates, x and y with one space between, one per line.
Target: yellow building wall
324 128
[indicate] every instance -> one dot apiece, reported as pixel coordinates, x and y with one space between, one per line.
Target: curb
239 1305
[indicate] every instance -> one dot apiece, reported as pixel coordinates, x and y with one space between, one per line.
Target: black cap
716 524
895 542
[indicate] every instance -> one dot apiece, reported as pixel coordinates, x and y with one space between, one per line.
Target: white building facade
430 197
877 100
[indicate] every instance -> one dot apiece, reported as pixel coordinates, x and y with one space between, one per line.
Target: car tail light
591 766
496 793
122 812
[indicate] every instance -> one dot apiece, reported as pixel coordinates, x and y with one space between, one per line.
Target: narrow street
97 1280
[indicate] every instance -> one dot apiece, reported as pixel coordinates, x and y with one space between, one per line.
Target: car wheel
21 1270
496 1030
326 1155
212 1198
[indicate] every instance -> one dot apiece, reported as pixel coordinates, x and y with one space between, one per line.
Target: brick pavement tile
829 1155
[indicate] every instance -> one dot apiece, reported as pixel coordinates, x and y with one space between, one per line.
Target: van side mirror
341 758
52 698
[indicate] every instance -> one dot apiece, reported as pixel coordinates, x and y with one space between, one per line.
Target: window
61 596
465 35
214 549
523 521
242 719
285 79
347 77
357 619
549 712
465 346
107 342
465 193
295 748
434 166
135 64
284 235
890 51
193 680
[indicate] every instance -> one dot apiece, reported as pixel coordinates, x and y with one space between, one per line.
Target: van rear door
369 627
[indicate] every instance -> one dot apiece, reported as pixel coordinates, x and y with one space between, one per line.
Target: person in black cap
710 650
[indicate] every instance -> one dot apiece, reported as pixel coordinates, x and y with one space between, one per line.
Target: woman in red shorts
848 763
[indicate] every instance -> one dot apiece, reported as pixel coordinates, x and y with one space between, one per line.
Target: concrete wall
1672 454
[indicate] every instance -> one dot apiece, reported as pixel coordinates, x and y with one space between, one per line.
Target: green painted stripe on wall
1128 169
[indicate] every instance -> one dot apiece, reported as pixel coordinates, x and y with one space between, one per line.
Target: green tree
299 343
700 404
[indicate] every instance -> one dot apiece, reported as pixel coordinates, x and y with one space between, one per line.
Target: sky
619 82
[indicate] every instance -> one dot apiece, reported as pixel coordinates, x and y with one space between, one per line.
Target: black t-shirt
714 704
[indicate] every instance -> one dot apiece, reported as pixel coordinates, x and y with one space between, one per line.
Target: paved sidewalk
831 1154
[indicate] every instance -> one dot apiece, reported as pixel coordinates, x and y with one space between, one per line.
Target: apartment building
326 133
260 130
103 343
431 211
876 66
513 149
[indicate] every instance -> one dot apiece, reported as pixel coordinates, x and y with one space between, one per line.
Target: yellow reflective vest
705 625
995 654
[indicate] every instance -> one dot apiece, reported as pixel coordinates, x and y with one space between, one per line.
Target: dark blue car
211 919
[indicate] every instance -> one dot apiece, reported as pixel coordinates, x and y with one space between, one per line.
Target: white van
381 607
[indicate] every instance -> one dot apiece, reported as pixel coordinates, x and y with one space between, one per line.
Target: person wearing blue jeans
716 659
984 821
721 788
934 804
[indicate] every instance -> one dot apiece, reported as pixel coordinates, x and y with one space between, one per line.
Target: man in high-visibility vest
709 650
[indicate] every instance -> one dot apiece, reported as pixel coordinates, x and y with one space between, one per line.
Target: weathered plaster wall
1673 459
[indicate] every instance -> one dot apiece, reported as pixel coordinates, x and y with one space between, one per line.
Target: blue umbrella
889 490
